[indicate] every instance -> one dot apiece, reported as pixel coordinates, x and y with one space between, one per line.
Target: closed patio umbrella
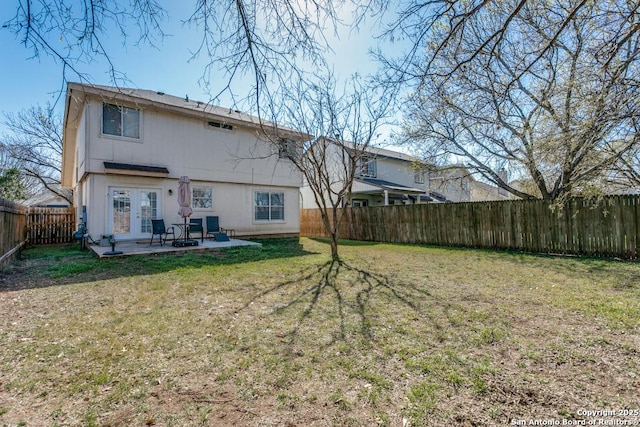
184 197
185 211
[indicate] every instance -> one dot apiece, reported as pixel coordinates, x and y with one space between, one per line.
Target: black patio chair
195 226
213 225
215 231
158 228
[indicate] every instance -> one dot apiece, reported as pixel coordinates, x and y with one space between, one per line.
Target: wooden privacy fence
609 227
51 225
13 220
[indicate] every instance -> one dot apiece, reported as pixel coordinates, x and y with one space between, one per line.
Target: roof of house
439 197
48 198
388 185
388 154
159 99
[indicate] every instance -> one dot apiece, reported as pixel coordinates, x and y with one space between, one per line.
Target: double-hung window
202 197
268 206
120 121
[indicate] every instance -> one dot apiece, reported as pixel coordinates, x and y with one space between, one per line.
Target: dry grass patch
281 335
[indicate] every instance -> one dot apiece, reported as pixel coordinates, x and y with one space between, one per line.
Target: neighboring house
125 149
483 192
457 184
451 183
385 177
48 199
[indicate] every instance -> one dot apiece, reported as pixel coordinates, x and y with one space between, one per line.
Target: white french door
131 211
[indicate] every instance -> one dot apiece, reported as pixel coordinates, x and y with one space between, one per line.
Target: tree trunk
334 248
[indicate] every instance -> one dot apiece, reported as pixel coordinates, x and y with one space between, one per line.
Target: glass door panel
121 212
148 209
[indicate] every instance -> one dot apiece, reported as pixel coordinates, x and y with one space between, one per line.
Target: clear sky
26 81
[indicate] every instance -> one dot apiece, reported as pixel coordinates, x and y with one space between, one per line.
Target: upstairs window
219 125
120 121
269 206
418 176
366 167
287 149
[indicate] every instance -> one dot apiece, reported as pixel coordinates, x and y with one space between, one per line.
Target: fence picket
50 225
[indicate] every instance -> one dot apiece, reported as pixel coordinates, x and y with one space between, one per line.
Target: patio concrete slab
142 247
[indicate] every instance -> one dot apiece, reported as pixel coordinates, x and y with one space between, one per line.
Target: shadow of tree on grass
350 290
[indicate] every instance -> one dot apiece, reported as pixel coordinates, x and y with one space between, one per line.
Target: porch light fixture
170 192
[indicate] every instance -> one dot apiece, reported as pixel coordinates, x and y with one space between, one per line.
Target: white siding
233 203
188 146
396 171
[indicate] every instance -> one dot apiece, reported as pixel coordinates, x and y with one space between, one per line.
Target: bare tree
34 143
347 118
73 32
433 29
548 90
277 42
272 40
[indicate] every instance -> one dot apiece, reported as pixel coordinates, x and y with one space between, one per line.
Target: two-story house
124 151
386 177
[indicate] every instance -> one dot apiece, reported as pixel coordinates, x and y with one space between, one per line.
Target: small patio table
184 230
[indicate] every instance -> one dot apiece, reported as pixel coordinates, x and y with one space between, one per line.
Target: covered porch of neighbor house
377 192
142 247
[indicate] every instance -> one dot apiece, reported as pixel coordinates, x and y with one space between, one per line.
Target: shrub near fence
13 219
609 227
51 225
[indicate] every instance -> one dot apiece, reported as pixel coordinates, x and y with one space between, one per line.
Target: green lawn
280 336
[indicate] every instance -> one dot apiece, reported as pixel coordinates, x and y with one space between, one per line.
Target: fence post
12 229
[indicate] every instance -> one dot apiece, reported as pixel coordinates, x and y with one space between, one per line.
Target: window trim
206 187
270 206
121 136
